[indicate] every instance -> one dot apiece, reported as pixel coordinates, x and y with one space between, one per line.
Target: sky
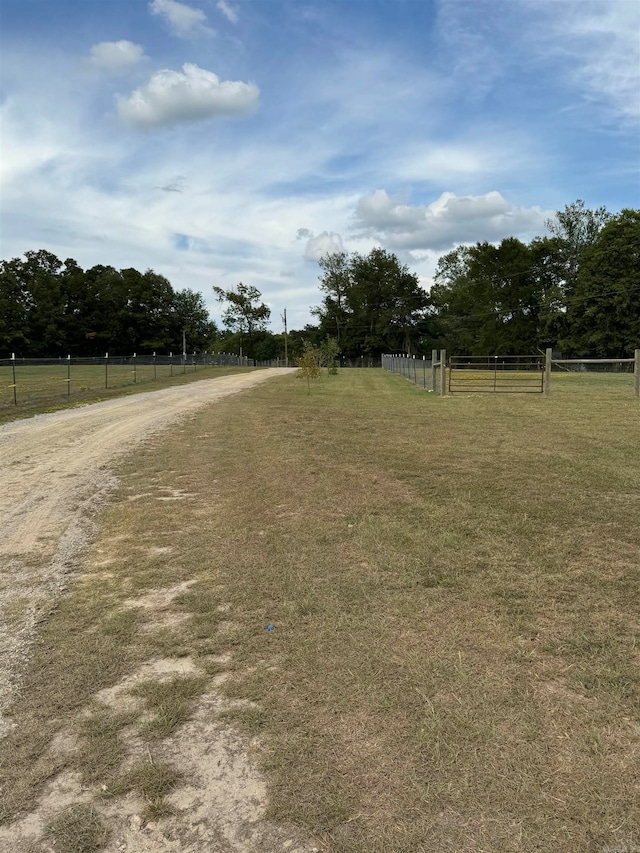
226 141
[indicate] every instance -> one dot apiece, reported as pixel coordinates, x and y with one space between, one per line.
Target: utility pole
184 344
286 350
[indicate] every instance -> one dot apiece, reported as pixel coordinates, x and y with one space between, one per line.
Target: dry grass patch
40 390
79 829
168 703
451 664
152 781
101 751
452 590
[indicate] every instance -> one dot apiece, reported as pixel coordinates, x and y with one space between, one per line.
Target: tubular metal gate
496 374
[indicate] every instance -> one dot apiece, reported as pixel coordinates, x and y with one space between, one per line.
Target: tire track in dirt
55 472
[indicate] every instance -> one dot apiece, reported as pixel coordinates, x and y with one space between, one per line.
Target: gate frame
529 387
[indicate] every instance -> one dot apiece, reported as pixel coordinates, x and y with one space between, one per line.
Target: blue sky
218 141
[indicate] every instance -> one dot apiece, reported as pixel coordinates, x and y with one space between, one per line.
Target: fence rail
500 373
29 381
506 374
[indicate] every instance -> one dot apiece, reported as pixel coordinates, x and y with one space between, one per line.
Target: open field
45 387
453 592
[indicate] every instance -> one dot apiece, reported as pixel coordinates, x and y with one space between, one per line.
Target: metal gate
496 374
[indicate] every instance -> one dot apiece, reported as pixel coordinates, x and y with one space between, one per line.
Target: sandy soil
55 472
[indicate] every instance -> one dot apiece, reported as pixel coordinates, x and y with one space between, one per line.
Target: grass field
52 386
453 585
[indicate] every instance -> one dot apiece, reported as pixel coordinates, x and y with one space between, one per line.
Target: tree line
577 289
49 308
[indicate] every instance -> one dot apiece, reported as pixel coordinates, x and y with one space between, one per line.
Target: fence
25 381
617 366
429 373
515 374
504 374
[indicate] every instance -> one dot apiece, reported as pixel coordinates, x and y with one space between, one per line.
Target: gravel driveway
55 472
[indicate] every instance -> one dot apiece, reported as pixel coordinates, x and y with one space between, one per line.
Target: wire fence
514 373
593 365
417 369
38 381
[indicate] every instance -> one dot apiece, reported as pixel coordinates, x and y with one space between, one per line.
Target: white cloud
116 56
184 21
324 244
230 12
446 222
171 97
601 40
592 45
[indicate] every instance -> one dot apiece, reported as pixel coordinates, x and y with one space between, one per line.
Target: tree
189 314
486 299
334 283
575 228
309 364
603 312
32 291
48 308
14 309
549 278
329 350
372 303
244 314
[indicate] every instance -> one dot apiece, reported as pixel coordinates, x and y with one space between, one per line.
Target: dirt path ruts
54 473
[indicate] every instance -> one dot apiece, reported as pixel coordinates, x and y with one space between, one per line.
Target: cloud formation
116 56
446 222
326 243
230 12
193 94
184 21
602 40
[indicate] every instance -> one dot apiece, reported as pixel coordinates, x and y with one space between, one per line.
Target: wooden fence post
636 371
443 372
434 359
547 372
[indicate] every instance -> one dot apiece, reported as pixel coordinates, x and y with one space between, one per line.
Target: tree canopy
576 289
372 303
51 308
245 315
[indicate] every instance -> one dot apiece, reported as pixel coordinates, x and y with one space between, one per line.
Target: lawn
44 387
452 589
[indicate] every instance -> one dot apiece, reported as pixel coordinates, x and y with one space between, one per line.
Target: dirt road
54 474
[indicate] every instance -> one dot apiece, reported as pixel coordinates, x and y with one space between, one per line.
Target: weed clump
78 829
168 703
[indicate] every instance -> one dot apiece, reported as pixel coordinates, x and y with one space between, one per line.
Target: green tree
372 303
244 314
32 290
548 274
486 299
309 364
575 228
335 282
603 312
14 309
189 314
48 308
329 350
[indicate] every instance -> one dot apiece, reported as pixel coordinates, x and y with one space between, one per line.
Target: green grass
453 586
41 388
